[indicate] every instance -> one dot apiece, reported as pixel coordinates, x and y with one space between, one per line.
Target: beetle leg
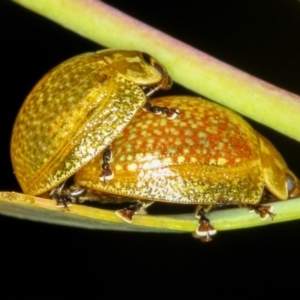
205 229
61 199
171 113
128 212
76 191
106 173
264 211
165 84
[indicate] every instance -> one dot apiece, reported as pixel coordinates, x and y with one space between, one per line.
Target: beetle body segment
75 111
208 156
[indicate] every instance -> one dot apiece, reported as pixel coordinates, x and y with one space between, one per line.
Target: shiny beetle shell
208 156
76 110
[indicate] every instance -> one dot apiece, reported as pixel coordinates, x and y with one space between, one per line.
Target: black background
259 37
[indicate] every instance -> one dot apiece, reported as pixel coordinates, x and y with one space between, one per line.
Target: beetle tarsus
106 173
264 211
128 213
63 202
57 194
171 113
205 229
165 84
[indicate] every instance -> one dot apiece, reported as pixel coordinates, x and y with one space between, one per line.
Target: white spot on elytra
222 161
180 159
132 167
118 167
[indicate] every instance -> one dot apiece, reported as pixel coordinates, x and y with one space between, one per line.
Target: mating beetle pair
208 156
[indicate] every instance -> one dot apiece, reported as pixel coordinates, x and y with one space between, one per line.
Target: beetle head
139 67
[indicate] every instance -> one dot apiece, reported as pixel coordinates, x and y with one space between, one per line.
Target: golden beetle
210 156
76 110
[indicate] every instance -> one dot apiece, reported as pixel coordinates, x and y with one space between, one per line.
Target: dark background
260 37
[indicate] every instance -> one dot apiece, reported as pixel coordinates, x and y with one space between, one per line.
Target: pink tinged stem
188 66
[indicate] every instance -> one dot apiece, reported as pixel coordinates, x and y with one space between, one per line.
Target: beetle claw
63 202
57 194
205 238
264 211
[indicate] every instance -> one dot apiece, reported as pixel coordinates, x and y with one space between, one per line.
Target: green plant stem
188 66
45 210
